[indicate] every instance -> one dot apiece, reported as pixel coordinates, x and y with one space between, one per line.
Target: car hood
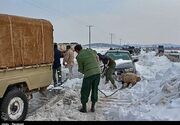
124 64
120 61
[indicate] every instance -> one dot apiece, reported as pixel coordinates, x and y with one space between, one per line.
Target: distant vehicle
132 50
124 61
160 49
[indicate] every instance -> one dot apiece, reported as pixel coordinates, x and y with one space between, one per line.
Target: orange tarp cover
25 41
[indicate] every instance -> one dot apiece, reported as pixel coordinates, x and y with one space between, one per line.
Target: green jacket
112 63
88 63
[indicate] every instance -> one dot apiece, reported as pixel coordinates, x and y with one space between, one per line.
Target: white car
124 61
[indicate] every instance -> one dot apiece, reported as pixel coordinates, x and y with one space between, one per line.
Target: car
124 61
160 49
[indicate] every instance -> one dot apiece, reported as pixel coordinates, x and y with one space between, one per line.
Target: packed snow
121 61
154 98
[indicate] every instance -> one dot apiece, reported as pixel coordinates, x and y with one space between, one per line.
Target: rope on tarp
11 33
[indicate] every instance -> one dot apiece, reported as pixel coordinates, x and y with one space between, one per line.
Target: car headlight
129 70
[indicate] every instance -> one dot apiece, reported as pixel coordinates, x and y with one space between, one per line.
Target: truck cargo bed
25 41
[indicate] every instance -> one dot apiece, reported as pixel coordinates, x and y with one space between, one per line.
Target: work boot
93 107
83 109
55 84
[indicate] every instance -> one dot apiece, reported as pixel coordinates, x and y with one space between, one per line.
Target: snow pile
121 61
158 91
154 98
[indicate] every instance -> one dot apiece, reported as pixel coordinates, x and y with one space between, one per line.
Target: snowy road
155 97
39 99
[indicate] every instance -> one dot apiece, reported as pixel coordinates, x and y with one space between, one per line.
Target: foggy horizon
130 21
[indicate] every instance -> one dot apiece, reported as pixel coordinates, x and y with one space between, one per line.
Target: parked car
124 61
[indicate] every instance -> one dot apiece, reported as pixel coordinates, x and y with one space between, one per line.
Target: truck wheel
14 106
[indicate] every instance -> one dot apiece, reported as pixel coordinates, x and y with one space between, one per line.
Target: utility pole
89 26
111 38
120 41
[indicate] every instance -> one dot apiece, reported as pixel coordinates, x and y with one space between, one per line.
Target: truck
160 49
26 56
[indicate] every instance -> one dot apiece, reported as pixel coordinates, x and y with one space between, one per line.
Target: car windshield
119 55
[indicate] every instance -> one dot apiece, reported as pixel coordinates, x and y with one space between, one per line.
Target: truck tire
14 106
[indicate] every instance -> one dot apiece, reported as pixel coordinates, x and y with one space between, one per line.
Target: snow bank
154 98
156 93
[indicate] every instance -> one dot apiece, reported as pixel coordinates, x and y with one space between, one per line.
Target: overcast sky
132 21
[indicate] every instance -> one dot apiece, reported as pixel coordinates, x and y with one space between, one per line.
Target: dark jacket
112 63
57 56
105 60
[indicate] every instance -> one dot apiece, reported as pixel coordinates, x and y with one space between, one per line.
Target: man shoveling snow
89 66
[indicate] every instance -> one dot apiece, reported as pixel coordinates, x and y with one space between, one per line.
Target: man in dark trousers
57 65
88 64
109 68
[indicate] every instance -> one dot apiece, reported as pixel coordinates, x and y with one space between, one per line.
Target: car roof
119 51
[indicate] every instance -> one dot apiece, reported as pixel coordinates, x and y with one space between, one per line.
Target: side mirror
135 60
